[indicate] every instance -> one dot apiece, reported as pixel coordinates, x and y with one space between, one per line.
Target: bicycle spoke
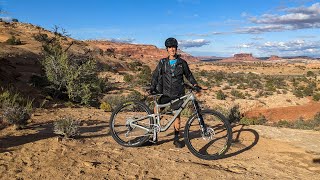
210 145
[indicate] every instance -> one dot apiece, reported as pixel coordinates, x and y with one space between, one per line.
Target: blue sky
202 27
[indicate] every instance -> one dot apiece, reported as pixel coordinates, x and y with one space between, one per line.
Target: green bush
134 65
220 95
283 123
16 115
234 114
13 41
237 94
310 73
10 98
316 118
106 106
15 108
144 77
253 121
67 127
41 37
316 96
128 78
77 78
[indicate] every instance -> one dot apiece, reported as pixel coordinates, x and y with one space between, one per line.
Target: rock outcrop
274 58
149 54
241 57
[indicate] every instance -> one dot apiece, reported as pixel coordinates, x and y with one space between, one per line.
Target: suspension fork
200 118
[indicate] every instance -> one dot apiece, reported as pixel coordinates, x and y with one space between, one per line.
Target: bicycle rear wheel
217 140
130 135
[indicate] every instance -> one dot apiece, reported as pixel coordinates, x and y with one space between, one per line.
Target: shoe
178 144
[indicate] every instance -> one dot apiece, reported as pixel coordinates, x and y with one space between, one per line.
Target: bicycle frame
156 116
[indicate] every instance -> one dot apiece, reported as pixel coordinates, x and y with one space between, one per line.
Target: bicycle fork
200 118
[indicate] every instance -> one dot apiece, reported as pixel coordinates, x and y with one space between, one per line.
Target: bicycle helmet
171 42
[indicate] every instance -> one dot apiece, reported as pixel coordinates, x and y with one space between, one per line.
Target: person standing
167 79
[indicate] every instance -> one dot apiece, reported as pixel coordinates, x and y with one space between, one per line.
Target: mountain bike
207 133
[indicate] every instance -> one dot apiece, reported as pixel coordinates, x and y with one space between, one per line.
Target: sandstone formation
274 58
149 54
241 57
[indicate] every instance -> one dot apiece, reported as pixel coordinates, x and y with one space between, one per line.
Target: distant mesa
149 54
241 57
274 58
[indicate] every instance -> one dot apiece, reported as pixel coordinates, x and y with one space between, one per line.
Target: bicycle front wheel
215 142
130 124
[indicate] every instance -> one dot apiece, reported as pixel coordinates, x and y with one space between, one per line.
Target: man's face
172 50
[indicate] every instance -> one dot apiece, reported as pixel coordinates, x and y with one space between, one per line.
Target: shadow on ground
237 142
41 131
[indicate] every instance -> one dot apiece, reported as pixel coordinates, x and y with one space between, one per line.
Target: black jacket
168 82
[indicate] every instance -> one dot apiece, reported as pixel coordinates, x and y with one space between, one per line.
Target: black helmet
171 42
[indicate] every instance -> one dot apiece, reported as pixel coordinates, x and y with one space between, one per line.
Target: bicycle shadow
94 129
238 146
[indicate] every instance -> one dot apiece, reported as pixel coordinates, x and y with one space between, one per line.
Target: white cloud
292 19
122 40
295 47
193 43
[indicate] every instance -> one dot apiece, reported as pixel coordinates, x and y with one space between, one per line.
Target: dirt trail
258 152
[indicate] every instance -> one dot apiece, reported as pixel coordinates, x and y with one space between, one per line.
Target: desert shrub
114 100
302 124
16 115
39 81
310 73
237 94
234 114
77 78
316 118
128 78
283 123
15 108
106 106
104 67
67 127
13 41
134 95
220 95
41 37
309 89
10 98
298 93
134 65
144 77
316 96
253 121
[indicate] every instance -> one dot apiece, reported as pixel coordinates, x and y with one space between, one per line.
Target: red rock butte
241 57
274 58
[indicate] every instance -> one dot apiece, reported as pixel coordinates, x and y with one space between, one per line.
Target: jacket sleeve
155 77
188 74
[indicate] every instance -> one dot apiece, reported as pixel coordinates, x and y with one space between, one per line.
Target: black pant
166 99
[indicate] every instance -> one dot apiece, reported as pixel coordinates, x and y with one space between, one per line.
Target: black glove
197 88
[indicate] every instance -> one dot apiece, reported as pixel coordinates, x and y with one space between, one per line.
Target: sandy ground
257 152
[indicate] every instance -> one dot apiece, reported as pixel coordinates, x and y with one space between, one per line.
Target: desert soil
257 152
